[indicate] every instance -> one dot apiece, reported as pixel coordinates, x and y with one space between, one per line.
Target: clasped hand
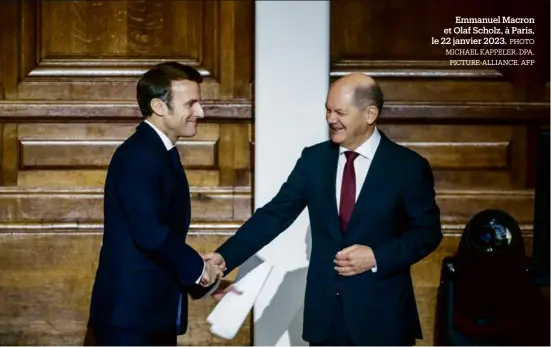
354 260
216 266
211 274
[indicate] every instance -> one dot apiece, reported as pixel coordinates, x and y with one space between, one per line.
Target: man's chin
189 132
336 139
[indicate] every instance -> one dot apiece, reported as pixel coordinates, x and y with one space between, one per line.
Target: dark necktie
348 190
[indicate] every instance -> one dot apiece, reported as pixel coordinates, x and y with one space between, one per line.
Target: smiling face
349 125
186 109
180 119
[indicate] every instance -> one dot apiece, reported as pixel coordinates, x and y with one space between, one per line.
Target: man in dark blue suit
146 270
373 214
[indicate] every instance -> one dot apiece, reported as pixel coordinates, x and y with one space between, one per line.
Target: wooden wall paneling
68 71
1 154
458 206
361 42
10 154
9 17
33 206
427 80
236 54
45 293
531 154
79 150
530 80
234 155
235 110
48 290
215 36
111 111
461 146
29 53
468 156
518 164
210 54
465 113
407 36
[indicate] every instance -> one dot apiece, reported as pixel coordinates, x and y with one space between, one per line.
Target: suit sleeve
199 292
268 221
424 233
140 193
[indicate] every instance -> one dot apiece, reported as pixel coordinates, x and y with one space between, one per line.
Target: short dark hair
368 95
157 83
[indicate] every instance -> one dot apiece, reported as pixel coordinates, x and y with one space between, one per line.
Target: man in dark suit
146 269
373 214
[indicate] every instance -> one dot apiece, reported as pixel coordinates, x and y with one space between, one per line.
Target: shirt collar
368 148
166 141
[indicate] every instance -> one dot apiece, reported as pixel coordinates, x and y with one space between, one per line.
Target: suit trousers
337 335
111 336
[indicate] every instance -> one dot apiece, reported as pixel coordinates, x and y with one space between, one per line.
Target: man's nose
200 113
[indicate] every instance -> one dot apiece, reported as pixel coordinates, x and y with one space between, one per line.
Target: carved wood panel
68 73
96 50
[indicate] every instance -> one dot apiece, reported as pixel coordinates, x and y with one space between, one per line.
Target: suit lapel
373 181
331 162
182 182
176 169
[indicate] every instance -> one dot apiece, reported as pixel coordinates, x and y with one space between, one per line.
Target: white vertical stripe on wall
291 82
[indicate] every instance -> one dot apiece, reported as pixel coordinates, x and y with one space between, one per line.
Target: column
291 83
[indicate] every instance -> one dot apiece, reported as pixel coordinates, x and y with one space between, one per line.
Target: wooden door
68 71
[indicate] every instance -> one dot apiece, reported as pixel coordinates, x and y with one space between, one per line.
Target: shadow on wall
285 311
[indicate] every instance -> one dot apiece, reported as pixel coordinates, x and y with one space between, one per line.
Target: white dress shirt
362 163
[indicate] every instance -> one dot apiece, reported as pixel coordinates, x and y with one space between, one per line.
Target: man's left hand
354 260
224 288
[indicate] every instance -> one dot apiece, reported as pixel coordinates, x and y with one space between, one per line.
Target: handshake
214 271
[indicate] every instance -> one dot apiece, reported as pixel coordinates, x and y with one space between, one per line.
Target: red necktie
348 190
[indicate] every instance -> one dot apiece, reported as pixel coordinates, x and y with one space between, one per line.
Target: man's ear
371 113
158 106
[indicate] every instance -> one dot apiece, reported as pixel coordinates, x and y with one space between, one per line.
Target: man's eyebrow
192 101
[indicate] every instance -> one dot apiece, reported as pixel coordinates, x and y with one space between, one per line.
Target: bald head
362 90
355 79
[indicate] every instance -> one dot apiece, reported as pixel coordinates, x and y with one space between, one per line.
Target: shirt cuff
202 273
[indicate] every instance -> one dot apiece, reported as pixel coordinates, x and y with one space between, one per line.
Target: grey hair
368 95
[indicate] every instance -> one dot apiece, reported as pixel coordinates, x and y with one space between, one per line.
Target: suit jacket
395 214
145 264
